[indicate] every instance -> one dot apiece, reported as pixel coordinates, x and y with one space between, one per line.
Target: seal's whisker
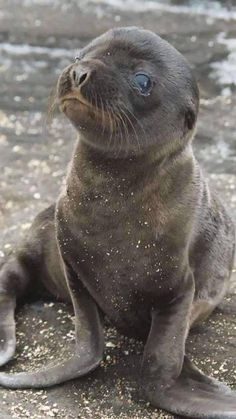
132 126
118 130
90 98
52 105
126 131
96 106
121 125
111 129
138 122
95 100
118 127
103 114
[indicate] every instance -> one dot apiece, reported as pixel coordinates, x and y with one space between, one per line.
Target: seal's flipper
77 366
170 381
7 328
88 351
13 283
192 372
195 395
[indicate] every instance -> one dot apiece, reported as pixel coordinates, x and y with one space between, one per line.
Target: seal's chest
118 250
127 271
121 248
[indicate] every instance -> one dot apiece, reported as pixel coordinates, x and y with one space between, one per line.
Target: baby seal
136 234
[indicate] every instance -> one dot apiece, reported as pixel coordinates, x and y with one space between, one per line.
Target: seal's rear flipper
75 367
13 283
7 328
195 395
88 350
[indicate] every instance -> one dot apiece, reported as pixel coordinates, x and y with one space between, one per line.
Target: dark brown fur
136 233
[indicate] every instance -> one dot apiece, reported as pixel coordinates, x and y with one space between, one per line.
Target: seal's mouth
74 97
76 102
80 110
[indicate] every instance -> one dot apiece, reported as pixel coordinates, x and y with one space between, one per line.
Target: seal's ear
191 106
190 118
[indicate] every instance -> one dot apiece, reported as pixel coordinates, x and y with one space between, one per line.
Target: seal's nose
80 76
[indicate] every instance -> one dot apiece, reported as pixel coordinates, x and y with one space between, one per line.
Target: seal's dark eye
144 83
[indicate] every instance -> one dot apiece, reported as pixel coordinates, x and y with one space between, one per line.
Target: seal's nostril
79 77
82 78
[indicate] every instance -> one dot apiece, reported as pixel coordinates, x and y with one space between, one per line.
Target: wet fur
136 234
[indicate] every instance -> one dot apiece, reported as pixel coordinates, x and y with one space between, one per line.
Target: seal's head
129 90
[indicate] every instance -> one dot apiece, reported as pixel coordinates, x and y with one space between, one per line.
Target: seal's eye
143 82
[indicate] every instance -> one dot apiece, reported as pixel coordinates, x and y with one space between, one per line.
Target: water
215 9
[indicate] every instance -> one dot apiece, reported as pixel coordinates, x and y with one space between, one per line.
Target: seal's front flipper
169 380
88 351
194 395
190 371
7 328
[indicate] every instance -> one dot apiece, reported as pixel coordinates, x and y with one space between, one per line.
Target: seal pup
136 233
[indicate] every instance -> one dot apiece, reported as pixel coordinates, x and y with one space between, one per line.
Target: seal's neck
97 172
118 163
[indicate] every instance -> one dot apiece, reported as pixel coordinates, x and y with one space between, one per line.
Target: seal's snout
79 76
74 78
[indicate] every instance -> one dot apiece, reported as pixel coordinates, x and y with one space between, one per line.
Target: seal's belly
122 282
125 269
